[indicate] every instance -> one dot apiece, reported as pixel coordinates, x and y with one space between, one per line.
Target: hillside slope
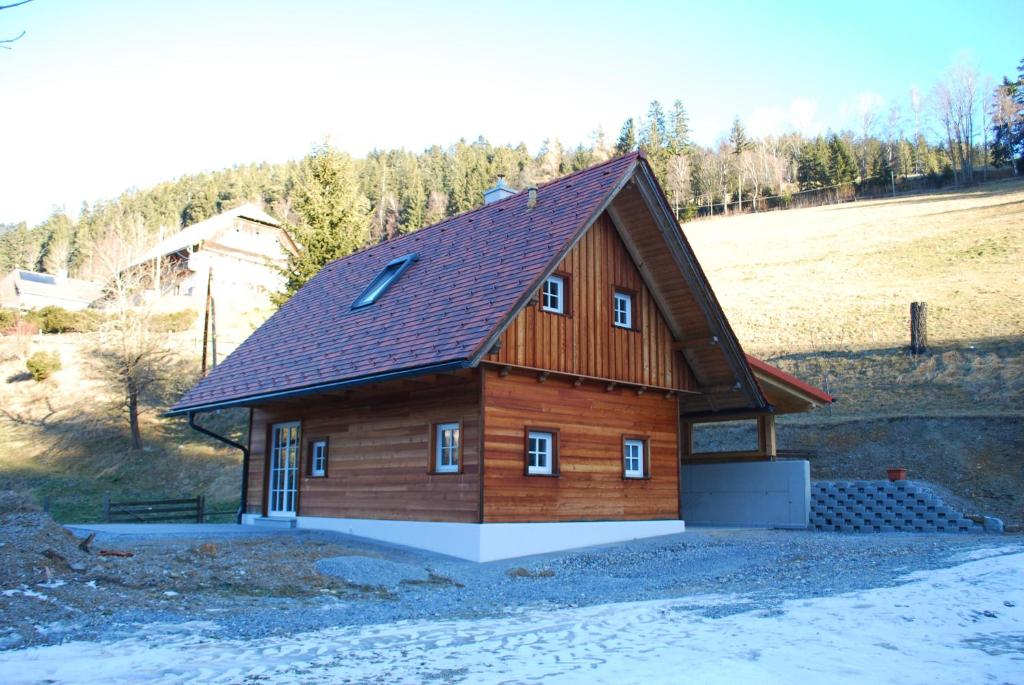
843 276
825 293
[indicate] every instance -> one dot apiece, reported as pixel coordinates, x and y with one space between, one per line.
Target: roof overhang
787 393
322 387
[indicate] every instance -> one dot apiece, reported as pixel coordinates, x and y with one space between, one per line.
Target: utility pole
206 317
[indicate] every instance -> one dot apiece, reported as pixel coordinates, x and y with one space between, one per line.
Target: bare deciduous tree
955 103
678 181
132 355
5 42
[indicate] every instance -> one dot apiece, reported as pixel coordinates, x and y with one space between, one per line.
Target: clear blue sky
104 95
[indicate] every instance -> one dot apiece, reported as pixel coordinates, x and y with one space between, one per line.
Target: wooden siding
709 364
379 451
583 341
591 422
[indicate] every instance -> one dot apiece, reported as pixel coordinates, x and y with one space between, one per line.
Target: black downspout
227 441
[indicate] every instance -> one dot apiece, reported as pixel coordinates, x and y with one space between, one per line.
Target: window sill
541 475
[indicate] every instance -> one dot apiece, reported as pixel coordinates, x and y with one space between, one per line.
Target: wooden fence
152 511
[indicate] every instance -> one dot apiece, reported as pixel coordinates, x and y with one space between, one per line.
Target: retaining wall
873 506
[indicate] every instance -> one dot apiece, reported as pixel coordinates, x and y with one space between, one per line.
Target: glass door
284 469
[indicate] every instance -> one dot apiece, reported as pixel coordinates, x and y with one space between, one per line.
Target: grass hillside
822 292
825 293
65 438
843 276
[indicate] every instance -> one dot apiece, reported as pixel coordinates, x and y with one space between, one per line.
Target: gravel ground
284 582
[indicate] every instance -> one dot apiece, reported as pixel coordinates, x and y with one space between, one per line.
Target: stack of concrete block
872 506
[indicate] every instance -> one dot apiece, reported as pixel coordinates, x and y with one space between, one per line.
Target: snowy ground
961 625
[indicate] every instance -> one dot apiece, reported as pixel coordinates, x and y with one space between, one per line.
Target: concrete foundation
490 541
767 494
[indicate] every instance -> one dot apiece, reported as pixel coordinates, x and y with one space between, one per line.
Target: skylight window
384 279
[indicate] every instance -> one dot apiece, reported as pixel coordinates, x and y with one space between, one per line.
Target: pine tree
654 135
333 216
738 137
679 129
813 164
842 165
627 138
56 249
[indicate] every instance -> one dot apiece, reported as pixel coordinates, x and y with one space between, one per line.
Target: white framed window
623 309
446 448
553 295
318 458
540 453
633 457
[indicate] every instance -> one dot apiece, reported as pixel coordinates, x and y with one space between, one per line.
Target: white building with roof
245 247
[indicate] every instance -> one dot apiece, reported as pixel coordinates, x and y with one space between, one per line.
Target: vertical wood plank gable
584 341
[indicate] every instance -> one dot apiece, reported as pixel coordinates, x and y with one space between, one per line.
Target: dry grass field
66 439
842 277
825 293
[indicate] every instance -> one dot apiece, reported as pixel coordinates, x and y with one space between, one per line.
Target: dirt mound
33 547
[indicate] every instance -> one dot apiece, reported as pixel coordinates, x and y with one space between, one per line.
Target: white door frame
283 482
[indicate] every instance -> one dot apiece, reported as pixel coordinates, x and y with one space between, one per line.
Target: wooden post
766 436
206 318
106 508
200 508
918 327
213 334
686 440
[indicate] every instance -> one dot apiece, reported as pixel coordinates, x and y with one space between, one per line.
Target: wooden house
516 379
243 248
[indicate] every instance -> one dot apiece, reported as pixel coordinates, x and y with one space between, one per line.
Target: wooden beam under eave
542 376
683 345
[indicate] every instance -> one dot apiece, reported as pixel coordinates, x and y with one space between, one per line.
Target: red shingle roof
472 271
789 380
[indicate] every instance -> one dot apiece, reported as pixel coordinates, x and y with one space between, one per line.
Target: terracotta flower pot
896 474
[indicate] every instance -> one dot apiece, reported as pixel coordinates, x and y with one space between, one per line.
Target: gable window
383 281
447 442
623 309
553 295
634 458
541 452
318 458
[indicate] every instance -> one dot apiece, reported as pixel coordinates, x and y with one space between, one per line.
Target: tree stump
918 327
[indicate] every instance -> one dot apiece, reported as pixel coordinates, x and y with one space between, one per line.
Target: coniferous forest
957 134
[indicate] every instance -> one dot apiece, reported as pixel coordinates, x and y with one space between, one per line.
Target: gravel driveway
282 583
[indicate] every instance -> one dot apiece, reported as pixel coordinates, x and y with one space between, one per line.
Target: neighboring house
244 246
520 378
23 289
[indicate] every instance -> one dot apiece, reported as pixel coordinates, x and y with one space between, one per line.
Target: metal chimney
499 192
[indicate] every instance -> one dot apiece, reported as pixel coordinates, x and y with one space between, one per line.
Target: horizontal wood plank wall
379 443
591 422
584 341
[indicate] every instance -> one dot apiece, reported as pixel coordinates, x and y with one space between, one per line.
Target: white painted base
491 541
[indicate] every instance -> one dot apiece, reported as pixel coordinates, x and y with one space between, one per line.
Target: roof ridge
461 215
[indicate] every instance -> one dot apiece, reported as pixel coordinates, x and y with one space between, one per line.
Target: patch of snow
26 592
53 584
955 625
170 593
